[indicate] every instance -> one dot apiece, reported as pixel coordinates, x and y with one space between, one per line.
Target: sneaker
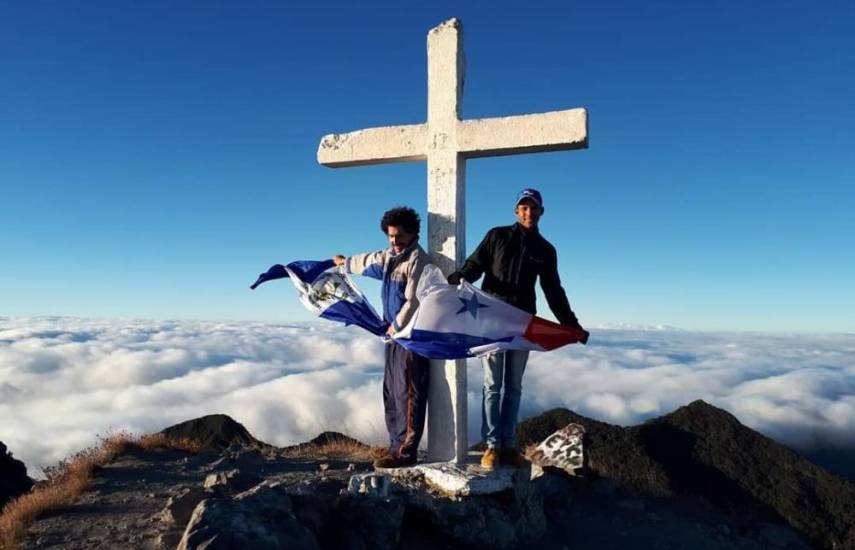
490 459
394 461
512 457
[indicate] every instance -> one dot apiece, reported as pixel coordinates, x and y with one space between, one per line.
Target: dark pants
405 392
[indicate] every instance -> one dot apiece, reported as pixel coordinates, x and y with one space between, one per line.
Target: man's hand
390 331
339 259
576 325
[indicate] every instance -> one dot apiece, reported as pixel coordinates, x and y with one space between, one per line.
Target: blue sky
155 157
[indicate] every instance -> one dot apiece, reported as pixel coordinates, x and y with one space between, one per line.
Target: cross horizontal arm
374 146
553 131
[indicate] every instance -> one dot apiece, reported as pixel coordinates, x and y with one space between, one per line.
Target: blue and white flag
328 292
453 322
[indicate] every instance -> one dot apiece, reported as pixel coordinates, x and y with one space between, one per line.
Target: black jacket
511 258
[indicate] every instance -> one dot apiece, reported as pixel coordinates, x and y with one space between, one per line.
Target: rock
366 524
223 464
201 459
230 482
451 480
630 504
370 485
168 540
314 502
214 432
497 520
248 460
14 480
777 536
268 499
562 449
556 488
180 507
237 524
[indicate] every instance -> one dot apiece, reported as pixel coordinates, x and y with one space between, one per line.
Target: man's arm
414 273
550 282
476 263
369 264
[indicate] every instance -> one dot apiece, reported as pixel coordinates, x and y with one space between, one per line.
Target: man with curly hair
406 374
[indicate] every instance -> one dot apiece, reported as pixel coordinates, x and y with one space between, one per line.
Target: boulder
248 459
215 432
367 523
260 519
14 480
180 507
499 520
230 482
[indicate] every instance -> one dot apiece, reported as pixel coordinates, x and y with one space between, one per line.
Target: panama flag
328 292
451 322
454 322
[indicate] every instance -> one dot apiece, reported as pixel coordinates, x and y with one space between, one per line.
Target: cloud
65 380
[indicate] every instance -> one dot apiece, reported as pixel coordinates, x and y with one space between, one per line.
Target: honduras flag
328 292
454 322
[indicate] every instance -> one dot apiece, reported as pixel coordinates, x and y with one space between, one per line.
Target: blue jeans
503 372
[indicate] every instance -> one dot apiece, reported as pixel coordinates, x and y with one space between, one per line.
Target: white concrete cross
446 142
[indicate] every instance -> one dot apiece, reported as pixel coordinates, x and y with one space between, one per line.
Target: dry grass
67 480
336 449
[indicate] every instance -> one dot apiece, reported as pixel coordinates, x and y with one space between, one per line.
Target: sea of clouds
64 381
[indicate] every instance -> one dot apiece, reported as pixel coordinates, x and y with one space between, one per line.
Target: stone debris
180 507
229 482
371 485
232 524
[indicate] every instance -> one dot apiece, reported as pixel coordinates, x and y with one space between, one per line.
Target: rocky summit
693 479
215 432
14 480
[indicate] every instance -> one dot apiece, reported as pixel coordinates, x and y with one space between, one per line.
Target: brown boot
490 459
394 461
379 452
512 457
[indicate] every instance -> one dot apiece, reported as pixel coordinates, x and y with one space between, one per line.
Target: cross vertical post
446 192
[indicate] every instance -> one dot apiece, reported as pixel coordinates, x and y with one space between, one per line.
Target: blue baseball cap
532 194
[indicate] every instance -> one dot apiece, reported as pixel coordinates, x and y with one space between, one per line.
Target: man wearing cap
511 258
